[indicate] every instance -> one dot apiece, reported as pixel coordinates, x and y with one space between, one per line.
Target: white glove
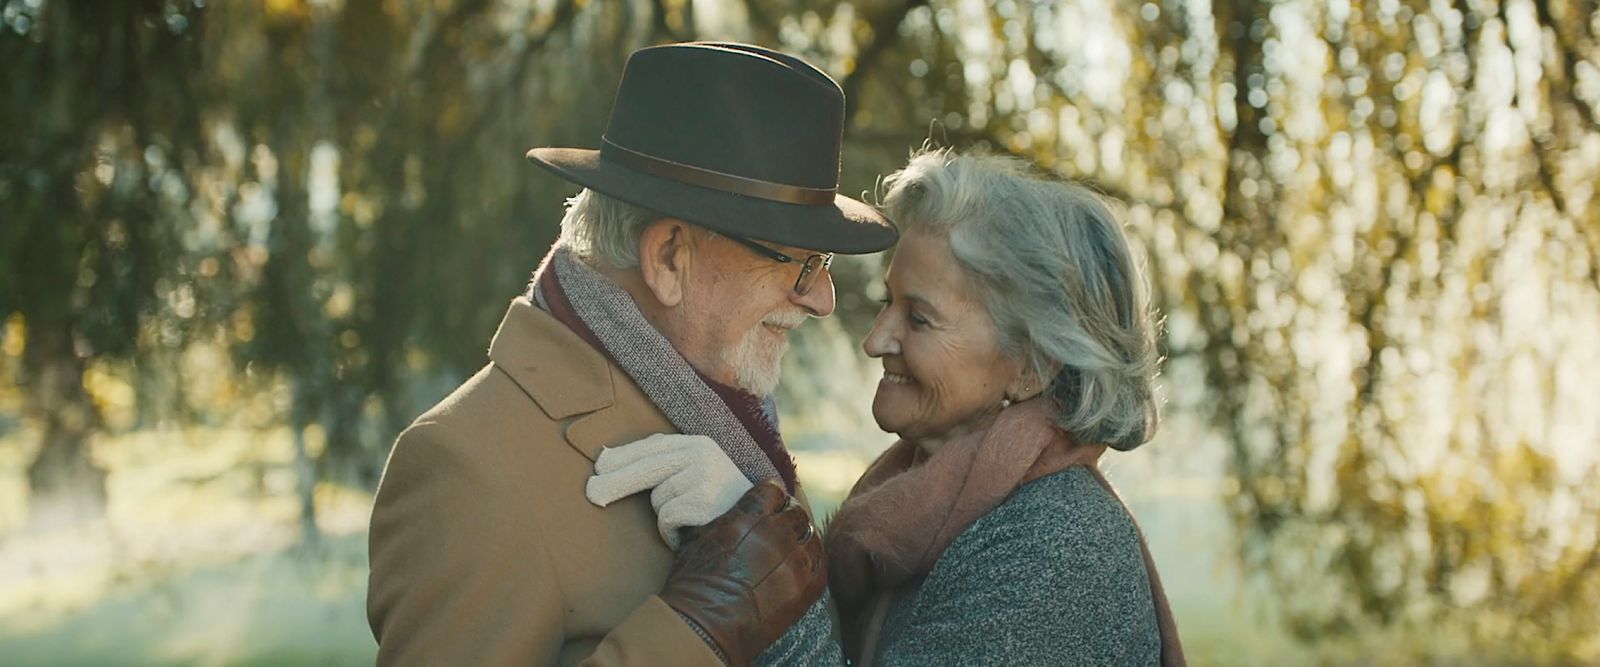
694 480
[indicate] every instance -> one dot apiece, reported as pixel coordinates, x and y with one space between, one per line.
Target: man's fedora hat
737 138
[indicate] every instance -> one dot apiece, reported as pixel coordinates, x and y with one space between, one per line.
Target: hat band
716 180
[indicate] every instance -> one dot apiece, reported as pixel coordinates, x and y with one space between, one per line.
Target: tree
1371 227
1341 207
97 100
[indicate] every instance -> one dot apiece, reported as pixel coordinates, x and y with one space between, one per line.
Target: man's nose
818 302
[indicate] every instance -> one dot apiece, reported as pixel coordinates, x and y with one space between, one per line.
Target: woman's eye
917 319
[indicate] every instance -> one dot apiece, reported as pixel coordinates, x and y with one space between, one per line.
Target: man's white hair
603 231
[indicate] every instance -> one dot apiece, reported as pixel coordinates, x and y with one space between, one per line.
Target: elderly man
702 236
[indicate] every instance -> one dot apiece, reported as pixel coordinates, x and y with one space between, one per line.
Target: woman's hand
749 574
694 481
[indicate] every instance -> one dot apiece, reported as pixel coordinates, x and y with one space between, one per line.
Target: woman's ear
1027 384
664 259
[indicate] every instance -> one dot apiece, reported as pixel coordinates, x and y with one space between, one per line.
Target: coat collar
556 368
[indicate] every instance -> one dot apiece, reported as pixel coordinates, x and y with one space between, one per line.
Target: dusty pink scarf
908 507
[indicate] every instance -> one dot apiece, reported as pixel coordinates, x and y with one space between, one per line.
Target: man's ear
664 258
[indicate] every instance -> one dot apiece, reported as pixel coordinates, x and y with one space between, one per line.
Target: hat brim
847 226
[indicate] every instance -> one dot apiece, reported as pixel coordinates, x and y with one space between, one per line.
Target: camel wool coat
484 550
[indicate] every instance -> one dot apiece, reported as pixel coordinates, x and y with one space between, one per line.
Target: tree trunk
305 470
65 487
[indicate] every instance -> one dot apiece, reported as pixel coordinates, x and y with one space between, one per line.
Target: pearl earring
1005 403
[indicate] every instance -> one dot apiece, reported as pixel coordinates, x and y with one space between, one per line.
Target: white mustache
786 320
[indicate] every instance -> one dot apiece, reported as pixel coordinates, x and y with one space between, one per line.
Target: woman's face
943 370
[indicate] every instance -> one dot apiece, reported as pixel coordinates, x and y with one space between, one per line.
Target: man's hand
694 481
749 574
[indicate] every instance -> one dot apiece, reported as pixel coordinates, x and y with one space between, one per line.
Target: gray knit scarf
695 408
651 360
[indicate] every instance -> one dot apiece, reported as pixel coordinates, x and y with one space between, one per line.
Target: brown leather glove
748 575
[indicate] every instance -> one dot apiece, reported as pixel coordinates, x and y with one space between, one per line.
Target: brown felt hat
737 138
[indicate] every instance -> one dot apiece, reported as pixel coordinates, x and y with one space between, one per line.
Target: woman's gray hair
602 230
1052 265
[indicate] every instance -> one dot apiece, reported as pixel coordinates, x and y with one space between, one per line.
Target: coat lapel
557 369
619 424
571 381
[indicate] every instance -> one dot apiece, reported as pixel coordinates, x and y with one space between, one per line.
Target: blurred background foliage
1371 228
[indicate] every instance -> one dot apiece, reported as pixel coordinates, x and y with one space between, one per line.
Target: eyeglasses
808 269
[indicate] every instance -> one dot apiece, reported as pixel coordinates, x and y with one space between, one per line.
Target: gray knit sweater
813 641
1053 576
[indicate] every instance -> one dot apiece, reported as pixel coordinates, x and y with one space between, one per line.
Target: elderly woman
1016 347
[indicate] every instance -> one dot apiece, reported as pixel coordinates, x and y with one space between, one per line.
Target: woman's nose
881 340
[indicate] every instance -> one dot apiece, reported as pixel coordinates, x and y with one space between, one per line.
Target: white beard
757 363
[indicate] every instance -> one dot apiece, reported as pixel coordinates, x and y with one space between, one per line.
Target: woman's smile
890 379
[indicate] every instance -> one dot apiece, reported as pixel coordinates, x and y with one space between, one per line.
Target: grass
198 562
